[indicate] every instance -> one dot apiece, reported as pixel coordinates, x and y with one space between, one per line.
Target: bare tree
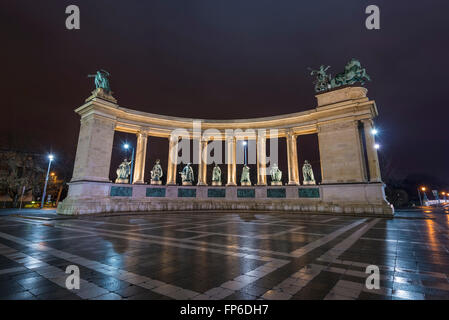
22 174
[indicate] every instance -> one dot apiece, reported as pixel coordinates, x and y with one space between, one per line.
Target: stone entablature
340 119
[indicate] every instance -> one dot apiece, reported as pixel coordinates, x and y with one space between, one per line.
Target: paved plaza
225 256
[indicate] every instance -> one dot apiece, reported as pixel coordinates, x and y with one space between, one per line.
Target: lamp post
245 149
425 199
419 195
50 159
127 146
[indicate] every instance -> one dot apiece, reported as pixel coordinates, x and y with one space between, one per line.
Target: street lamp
374 131
425 199
50 159
376 146
127 146
245 148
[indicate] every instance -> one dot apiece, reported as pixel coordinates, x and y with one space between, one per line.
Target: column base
201 184
232 184
293 183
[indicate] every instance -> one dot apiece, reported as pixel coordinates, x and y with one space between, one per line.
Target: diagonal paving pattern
224 256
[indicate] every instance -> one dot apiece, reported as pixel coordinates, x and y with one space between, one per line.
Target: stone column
292 158
261 158
172 160
371 152
93 154
141 152
231 159
202 165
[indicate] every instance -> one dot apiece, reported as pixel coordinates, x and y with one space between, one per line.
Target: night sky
223 60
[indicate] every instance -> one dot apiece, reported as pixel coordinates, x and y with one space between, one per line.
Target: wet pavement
226 256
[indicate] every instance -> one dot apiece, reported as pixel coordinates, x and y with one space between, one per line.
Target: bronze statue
216 176
352 74
101 80
156 173
123 172
187 175
307 172
276 175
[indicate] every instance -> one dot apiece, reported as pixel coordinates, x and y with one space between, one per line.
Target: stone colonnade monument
342 119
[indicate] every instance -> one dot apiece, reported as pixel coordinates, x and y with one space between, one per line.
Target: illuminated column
172 160
141 152
261 158
231 159
292 157
202 165
371 152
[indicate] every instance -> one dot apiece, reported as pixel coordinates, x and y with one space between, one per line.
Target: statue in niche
245 179
156 173
276 175
187 175
307 172
123 172
101 80
216 176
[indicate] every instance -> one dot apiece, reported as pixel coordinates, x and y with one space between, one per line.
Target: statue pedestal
185 183
121 180
309 183
276 183
245 183
155 181
216 183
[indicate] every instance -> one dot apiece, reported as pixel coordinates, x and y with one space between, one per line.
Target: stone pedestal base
276 183
121 180
309 183
156 182
354 199
245 183
216 183
187 183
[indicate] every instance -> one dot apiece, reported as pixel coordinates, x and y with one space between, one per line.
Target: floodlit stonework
351 181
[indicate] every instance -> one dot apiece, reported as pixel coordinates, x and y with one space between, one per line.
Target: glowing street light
245 148
127 146
374 131
50 159
376 146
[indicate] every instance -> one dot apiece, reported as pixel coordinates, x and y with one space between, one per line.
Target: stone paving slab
200 256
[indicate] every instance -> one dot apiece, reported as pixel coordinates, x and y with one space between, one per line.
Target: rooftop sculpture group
352 74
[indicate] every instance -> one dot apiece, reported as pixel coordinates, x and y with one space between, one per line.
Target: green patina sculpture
187 174
322 82
123 172
157 173
216 175
101 80
352 74
276 174
245 179
307 172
